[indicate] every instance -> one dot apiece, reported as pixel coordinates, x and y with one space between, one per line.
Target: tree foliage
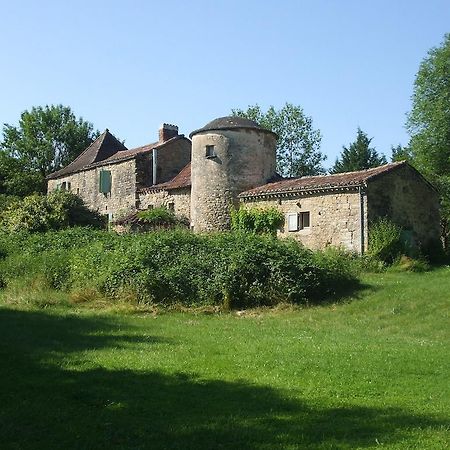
429 120
400 153
429 123
46 139
358 155
298 142
54 211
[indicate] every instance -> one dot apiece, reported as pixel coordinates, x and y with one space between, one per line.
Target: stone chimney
167 131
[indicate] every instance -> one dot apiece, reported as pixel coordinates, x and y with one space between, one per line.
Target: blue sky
131 65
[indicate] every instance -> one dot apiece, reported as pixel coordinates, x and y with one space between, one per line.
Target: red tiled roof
321 182
182 180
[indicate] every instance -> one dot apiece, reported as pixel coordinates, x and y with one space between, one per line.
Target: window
105 181
298 221
304 220
210 152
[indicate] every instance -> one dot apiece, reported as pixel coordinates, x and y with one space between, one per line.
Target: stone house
109 177
231 162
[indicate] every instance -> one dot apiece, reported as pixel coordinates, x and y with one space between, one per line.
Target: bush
256 220
385 241
157 216
57 210
226 269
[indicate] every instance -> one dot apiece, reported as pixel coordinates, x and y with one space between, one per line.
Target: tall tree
429 123
358 155
298 145
400 153
47 138
429 120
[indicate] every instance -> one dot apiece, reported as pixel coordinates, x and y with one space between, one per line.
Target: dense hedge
230 269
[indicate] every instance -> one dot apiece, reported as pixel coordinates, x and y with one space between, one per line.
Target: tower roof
231 123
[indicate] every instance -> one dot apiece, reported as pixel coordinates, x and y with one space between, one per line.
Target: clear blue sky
131 65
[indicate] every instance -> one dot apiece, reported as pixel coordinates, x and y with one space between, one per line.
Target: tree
54 211
298 142
46 139
429 120
429 123
400 153
358 155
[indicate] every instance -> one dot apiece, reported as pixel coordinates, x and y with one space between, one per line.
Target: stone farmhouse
231 161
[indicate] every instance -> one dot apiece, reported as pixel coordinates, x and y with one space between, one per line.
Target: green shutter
105 181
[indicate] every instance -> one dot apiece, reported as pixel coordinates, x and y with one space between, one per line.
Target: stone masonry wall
171 159
243 159
408 200
177 199
85 184
335 218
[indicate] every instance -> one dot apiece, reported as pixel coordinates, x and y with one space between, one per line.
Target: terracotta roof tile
182 180
304 184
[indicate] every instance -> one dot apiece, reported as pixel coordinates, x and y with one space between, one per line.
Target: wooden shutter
105 181
292 220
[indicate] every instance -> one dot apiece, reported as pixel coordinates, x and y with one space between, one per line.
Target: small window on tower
210 152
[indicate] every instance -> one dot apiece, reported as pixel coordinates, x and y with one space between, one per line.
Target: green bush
228 269
256 220
385 241
157 216
54 211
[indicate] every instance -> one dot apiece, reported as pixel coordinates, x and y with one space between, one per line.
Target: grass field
369 372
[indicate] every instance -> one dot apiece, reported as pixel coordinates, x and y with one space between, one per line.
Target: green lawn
366 373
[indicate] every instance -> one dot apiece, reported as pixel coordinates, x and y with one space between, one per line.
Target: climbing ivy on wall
256 220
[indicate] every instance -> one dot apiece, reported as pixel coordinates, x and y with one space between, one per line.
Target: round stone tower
229 155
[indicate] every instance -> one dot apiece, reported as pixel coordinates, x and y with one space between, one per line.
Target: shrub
229 269
385 241
256 220
157 216
57 210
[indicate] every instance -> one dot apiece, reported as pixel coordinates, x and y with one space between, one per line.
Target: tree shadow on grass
45 406
344 292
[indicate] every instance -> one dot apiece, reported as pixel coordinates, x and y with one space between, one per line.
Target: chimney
167 131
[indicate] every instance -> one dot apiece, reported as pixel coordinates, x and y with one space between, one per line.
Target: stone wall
408 200
244 158
335 218
85 184
171 159
179 200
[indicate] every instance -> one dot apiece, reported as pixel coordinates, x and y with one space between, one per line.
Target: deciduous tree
298 145
46 139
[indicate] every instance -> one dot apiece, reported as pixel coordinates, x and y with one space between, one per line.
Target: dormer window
210 152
